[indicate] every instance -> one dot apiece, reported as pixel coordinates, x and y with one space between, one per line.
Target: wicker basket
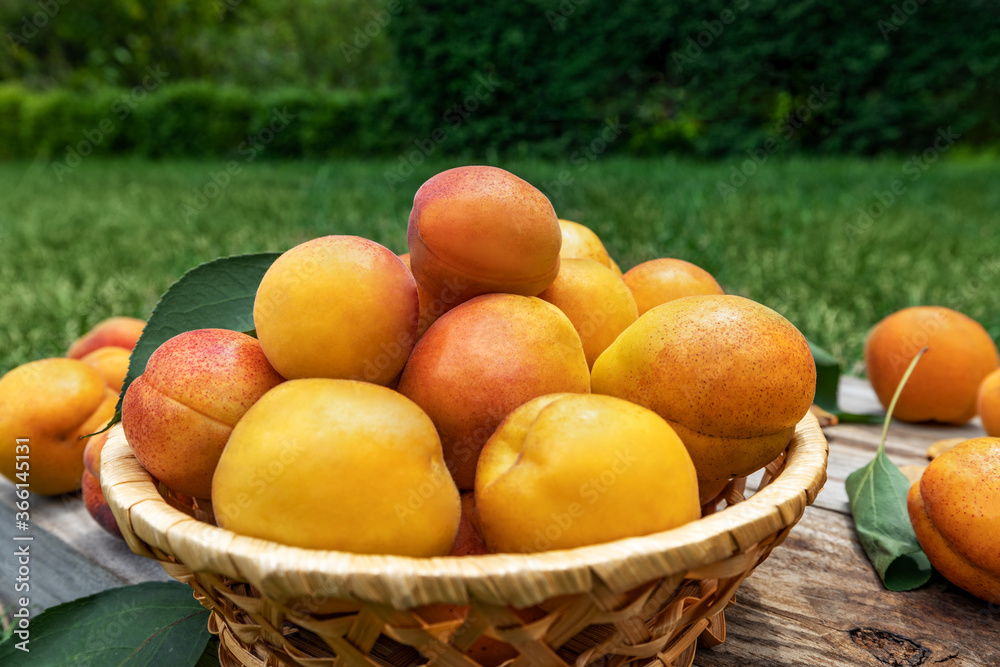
643 601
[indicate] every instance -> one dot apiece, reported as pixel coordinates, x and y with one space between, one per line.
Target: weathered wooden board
70 555
802 603
817 601
799 608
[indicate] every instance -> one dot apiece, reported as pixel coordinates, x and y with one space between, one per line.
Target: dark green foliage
85 44
199 119
11 100
217 294
513 75
567 78
712 77
154 624
190 118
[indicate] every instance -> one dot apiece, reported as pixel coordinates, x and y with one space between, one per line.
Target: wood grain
798 608
802 603
71 556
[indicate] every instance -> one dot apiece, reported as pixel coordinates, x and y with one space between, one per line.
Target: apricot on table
120 332
955 512
478 230
943 386
46 406
97 505
92 453
988 403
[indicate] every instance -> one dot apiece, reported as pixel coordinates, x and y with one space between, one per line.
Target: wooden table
815 601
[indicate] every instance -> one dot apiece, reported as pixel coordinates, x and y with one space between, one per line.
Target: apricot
484 358
478 230
955 512
732 377
92 453
120 332
179 413
97 505
338 307
661 280
569 470
595 300
943 386
580 242
338 464
988 403
468 541
51 404
112 363
429 309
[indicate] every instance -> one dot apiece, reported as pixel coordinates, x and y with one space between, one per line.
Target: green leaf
827 378
210 656
827 381
877 494
217 294
150 625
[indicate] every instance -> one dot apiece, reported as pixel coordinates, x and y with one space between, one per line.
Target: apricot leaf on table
149 624
827 381
217 294
877 495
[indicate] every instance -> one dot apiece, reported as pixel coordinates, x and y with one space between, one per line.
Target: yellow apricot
988 403
943 386
338 464
112 363
45 408
595 300
337 307
569 470
580 242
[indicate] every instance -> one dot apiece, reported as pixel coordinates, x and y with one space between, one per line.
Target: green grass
111 237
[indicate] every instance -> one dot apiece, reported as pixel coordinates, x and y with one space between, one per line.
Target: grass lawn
111 236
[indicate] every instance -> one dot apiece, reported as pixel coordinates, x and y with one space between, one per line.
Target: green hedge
198 119
708 76
574 79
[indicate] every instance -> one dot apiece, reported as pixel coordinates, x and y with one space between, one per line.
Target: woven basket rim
155 529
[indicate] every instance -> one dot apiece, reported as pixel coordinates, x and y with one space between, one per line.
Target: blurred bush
543 77
260 44
708 76
199 119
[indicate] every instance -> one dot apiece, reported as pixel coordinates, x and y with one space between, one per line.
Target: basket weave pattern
642 601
